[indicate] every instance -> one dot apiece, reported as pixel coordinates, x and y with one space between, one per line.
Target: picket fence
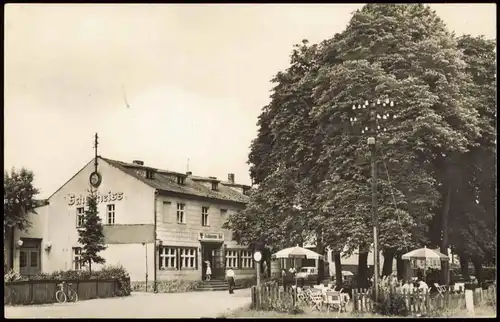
44 291
267 294
420 302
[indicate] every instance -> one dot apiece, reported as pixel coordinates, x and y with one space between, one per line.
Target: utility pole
96 143
374 115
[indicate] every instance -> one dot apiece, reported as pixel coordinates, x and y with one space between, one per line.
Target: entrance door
213 253
29 256
29 261
206 256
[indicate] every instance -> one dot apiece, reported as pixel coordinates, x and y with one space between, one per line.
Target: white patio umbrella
297 252
429 257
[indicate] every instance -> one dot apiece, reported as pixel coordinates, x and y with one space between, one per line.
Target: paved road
140 305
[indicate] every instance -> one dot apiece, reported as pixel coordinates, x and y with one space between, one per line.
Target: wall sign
81 200
211 237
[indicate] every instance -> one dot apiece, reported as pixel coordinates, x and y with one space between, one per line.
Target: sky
160 83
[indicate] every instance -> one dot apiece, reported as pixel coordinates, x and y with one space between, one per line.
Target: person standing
230 280
284 279
208 272
264 267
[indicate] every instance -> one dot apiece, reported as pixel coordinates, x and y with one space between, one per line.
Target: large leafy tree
18 202
305 149
91 236
472 227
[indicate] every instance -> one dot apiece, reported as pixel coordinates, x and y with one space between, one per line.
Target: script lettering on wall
81 200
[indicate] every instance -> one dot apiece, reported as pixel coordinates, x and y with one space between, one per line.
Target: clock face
95 179
257 256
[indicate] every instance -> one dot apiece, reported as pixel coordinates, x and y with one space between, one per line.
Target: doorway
214 254
29 257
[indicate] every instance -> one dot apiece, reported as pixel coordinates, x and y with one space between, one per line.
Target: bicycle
62 297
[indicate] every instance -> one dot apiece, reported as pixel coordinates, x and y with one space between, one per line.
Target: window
77 257
232 259
181 219
246 191
110 215
246 259
80 217
168 258
223 212
180 180
149 174
204 216
23 259
214 185
188 257
33 259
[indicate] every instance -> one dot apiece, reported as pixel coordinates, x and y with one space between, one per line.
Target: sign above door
211 237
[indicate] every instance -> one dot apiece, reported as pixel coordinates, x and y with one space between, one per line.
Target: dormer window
149 174
181 180
246 191
215 186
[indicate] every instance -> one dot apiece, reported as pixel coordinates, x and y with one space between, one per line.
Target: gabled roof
166 181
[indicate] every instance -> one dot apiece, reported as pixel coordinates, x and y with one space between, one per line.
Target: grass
248 313
481 311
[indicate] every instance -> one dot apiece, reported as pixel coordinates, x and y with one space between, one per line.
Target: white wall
59 222
133 258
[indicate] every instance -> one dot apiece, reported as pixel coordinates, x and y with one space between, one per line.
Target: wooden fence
423 302
44 291
269 295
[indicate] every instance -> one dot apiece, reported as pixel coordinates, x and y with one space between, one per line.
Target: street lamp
372 118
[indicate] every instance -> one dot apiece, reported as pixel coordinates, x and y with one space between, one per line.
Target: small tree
91 236
18 203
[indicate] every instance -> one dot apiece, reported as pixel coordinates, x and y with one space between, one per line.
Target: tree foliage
91 236
19 198
306 152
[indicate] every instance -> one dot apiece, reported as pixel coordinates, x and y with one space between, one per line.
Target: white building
172 219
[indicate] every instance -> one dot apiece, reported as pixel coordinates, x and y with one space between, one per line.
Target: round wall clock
95 179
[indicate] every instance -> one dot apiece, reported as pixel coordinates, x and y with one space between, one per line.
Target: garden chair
334 299
316 300
441 289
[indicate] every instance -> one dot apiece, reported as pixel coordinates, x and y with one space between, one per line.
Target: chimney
139 162
189 173
230 177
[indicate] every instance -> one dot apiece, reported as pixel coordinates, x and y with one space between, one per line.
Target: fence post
469 300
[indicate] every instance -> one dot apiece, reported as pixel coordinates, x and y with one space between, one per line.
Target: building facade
158 224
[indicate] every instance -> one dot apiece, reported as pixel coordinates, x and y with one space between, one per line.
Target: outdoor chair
441 289
334 299
316 300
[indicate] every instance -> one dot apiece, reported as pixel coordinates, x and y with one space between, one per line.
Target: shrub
12 276
117 272
392 304
176 286
246 282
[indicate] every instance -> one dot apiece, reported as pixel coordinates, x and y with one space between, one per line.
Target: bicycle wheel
61 297
73 297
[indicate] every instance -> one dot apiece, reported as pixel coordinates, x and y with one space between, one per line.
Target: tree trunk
478 267
388 260
444 227
444 221
400 265
338 268
321 263
464 265
363 270
90 266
